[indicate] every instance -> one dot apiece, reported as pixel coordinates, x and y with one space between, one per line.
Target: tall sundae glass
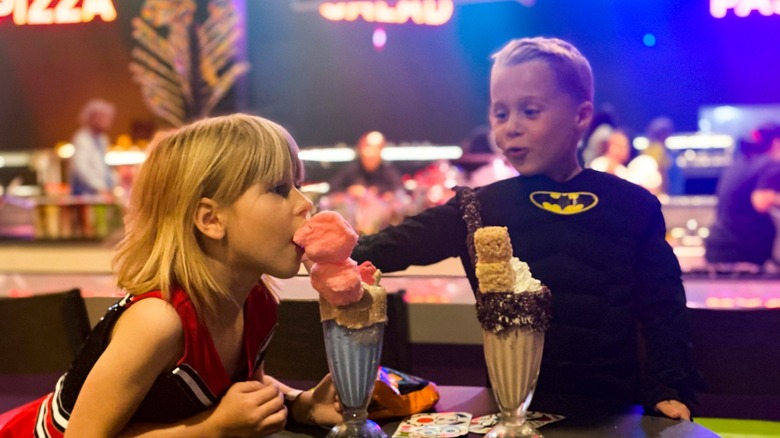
353 311
353 343
514 311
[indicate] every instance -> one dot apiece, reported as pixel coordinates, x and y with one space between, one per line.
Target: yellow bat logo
564 203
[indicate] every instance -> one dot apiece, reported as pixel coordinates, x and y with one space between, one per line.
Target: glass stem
514 417
354 415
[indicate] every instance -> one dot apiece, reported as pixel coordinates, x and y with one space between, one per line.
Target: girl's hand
250 409
318 406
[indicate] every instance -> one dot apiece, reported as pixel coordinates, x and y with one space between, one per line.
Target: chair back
41 333
297 350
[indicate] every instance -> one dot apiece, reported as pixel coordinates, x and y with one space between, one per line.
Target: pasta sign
743 8
26 12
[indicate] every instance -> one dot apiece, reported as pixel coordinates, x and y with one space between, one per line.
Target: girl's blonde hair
217 158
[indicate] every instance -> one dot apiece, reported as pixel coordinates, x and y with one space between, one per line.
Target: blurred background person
616 155
366 191
657 131
88 172
613 154
369 171
594 140
742 237
482 161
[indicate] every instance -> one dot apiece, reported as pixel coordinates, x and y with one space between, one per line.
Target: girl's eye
282 189
499 115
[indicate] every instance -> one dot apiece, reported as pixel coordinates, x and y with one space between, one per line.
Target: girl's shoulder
146 313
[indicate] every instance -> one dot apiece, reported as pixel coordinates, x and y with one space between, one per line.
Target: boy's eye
531 112
499 115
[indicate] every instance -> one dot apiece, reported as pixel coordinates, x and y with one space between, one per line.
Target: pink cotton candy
367 271
326 238
338 283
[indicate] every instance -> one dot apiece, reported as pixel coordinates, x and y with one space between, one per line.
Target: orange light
750 303
32 12
427 12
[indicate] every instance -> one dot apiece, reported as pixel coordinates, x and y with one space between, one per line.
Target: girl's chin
287 271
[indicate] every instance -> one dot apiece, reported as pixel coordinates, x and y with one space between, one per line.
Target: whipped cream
524 281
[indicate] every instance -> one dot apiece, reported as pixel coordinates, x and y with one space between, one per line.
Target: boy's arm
670 373
429 237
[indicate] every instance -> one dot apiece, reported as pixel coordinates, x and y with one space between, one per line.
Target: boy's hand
318 406
251 409
674 409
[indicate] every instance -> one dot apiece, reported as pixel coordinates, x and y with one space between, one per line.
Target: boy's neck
564 173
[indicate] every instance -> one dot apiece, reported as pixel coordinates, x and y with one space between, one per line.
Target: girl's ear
208 221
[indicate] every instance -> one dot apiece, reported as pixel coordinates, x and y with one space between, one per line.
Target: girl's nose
306 206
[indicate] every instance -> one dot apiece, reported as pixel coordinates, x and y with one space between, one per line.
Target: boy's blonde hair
217 158
571 68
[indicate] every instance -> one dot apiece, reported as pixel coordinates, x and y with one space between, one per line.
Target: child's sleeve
429 237
669 371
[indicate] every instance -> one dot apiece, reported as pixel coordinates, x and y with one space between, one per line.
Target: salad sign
743 8
26 12
427 12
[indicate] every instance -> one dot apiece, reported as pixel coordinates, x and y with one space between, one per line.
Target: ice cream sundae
353 310
514 311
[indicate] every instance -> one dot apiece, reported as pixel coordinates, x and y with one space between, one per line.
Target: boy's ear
584 116
207 220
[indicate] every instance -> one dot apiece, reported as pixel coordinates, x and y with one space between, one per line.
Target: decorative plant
183 65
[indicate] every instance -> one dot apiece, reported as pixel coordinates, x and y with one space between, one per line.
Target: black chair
39 337
396 347
738 354
297 351
41 333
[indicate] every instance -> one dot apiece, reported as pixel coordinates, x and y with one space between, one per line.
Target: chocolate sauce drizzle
498 311
530 310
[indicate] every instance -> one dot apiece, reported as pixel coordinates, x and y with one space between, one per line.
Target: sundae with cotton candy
353 311
350 293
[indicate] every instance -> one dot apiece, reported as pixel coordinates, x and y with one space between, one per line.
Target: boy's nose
514 129
514 126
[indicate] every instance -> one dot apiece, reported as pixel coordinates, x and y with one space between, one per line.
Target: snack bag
397 394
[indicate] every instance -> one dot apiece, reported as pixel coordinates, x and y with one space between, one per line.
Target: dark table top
578 423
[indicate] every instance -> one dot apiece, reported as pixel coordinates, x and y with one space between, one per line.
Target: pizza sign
31 12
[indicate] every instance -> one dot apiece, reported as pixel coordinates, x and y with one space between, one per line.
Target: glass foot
502 430
363 429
